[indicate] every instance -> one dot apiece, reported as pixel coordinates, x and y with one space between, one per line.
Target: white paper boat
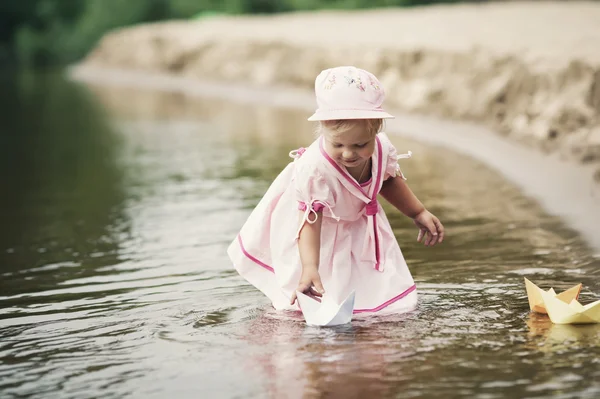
326 313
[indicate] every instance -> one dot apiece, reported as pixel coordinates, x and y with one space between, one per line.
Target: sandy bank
531 70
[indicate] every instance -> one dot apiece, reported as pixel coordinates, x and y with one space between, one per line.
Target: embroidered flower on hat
351 80
330 83
373 84
360 85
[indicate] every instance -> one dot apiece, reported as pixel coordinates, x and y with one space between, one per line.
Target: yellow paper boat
571 313
560 309
536 301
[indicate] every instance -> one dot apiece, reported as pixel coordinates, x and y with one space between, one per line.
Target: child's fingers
433 234
426 236
430 238
434 239
302 287
438 232
314 292
314 295
319 286
440 229
421 235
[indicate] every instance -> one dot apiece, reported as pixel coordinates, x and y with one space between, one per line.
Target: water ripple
136 298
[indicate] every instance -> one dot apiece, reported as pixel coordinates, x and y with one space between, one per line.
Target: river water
117 209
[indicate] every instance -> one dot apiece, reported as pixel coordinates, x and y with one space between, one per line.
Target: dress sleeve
392 168
311 188
313 194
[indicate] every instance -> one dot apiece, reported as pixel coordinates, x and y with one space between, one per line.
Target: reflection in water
62 195
560 337
135 296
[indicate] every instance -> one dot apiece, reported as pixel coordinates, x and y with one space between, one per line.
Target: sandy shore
530 70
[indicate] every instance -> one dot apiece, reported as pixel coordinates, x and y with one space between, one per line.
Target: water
117 208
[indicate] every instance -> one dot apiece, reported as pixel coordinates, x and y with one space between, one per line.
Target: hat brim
349 114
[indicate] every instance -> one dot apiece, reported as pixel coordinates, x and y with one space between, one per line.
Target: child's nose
348 154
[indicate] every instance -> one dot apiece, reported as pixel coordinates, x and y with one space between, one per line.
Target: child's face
350 148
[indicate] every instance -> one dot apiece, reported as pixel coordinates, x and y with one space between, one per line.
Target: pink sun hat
348 92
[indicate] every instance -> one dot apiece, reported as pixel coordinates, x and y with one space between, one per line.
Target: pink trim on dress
377 255
252 258
350 178
373 203
376 309
379 167
374 200
388 303
340 170
317 206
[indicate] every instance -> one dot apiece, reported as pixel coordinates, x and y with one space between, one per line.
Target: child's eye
337 146
361 145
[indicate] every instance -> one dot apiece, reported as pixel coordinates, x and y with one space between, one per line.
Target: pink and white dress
358 248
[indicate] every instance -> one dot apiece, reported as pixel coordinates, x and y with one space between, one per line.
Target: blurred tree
99 17
43 32
187 8
30 28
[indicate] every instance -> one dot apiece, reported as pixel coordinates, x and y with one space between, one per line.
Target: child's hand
430 227
310 284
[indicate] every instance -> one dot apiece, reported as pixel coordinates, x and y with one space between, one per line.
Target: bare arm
309 242
309 246
396 192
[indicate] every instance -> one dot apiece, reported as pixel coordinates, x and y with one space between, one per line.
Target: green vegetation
54 32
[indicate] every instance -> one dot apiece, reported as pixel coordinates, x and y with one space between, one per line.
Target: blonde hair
372 126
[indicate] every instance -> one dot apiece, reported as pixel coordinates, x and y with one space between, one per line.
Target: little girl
319 228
